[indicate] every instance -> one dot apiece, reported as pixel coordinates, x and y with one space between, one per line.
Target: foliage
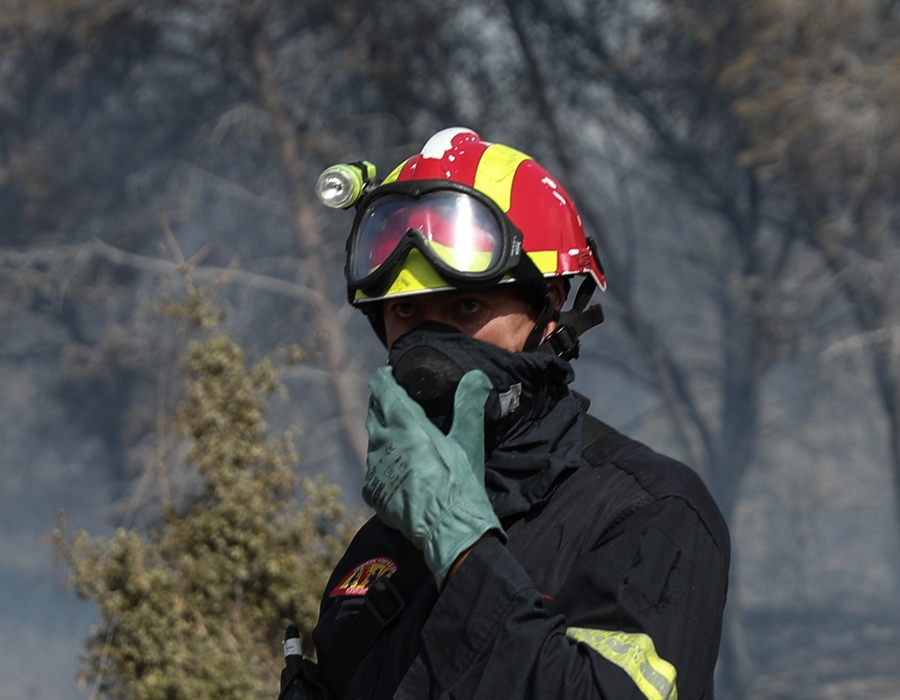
817 89
196 607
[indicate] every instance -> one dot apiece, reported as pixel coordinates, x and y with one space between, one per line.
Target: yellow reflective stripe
416 275
495 173
394 174
635 654
547 261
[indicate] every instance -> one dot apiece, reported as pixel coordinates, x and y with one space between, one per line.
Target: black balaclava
532 420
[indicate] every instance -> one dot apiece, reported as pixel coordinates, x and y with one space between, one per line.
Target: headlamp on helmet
341 185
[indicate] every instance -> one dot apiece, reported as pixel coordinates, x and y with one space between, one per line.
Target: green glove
428 485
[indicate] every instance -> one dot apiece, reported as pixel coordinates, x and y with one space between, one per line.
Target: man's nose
432 313
437 313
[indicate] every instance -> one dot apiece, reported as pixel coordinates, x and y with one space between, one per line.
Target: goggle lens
454 228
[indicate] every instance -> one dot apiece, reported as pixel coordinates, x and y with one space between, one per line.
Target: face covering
532 419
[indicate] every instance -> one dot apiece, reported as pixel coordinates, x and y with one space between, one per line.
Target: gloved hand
428 485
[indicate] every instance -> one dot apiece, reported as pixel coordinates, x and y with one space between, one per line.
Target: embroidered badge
357 582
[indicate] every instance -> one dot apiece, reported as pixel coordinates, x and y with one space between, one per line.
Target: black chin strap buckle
563 342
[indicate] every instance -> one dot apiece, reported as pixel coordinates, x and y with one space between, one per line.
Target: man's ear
560 292
559 289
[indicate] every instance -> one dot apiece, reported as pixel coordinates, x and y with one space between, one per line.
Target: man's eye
403 310
470 306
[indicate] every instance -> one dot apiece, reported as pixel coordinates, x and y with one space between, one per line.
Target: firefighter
520 548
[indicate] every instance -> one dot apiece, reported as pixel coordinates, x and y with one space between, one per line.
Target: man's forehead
504 290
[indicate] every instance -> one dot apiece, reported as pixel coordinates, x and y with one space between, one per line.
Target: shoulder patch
357 582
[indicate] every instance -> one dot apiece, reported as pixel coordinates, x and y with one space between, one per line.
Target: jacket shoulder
656 477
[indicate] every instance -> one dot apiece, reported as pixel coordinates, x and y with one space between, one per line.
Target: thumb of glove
468 418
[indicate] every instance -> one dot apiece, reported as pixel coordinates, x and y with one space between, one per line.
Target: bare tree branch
68 254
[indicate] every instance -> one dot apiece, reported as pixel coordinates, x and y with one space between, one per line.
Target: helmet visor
456 232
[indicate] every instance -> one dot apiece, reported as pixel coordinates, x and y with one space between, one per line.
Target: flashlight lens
339 186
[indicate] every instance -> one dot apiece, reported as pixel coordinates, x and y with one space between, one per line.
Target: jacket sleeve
303 683
638 618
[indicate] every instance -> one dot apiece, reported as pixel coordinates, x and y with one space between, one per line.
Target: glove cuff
458 529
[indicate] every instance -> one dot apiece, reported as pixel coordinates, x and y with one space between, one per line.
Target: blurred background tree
733 159
818 91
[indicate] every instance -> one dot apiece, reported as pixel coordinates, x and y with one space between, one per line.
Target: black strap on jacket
594 430
388 596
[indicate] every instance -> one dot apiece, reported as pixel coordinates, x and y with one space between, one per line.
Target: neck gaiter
533 422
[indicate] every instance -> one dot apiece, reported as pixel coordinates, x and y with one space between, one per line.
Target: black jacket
611 586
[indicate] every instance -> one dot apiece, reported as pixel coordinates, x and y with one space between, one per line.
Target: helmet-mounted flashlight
341 186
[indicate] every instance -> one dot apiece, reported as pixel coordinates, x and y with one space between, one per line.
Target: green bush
196 607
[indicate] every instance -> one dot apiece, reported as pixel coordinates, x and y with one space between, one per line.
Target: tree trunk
887 376
345 384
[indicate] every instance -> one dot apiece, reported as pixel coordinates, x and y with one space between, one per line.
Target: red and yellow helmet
464 213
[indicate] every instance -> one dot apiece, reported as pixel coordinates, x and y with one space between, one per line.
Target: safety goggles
462 234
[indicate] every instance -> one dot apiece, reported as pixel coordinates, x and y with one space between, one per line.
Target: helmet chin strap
563 341
546 314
